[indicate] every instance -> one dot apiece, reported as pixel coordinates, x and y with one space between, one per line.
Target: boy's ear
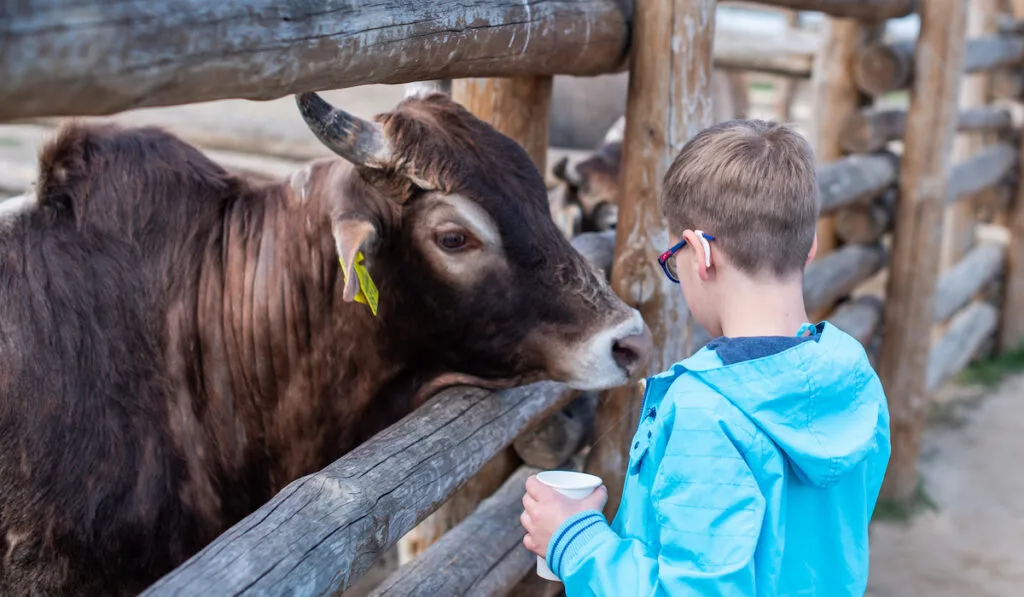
700 252
814 250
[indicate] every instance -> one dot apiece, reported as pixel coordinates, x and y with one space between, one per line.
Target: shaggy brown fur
174 347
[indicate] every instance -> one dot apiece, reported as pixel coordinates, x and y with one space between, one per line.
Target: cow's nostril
633 352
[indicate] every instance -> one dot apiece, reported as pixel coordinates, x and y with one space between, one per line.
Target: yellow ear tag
367 289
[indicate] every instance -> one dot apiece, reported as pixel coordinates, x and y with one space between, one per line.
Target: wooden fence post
909 306
518 107
959 225
1011 332
835 96
669 101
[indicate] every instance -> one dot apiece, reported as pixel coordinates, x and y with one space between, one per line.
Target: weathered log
550 443
1009 25
785 87
865 223
323 531
791 55
834 276
967 331
859 317
872 128
134 53
855 178
909 304
960 283
885 67
1007 84
668 103
865 10
984 169
458 562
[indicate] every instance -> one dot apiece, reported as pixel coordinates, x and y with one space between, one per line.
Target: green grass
761 86
990 372
9 142
893 511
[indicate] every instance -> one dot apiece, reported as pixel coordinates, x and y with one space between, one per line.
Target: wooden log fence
324 531
872 129
132 54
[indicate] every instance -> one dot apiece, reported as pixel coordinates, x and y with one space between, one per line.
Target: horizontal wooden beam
859 317
985 168
865 10
981 265
789 55
966 334
872 128
855 178
82 57
323 531
884 67
457 562
835 275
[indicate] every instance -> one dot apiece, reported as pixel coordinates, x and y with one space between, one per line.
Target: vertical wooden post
787 85
518 107
959 224
669 101
924 169
835 96
1011 334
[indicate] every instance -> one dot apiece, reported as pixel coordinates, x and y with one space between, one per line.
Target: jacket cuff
574 537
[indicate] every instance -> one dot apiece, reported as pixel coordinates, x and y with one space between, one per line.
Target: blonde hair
752 184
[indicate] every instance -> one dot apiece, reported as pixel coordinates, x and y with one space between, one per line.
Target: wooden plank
959 224
865 10
323 531
855 178
669 101
871 129
885 67
459 561
78 57
909 305
961 282
984 169
518 107
859 317
834 276
967 332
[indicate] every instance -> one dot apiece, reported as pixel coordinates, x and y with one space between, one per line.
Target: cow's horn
358 141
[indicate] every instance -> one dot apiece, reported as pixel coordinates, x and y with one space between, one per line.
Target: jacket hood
819 401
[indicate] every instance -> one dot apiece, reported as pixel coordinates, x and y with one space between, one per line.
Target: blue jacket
754 471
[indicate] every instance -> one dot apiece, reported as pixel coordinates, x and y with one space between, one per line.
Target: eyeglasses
669 265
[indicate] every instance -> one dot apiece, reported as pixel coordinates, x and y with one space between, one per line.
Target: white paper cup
573 485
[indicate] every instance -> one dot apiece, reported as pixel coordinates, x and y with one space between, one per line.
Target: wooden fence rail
324 531
872 128
94 57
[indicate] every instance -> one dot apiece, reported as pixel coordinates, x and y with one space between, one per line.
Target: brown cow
591 185
177 344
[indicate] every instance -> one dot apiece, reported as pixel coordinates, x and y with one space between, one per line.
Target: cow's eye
453 241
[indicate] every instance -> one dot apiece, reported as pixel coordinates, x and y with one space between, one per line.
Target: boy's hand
545 510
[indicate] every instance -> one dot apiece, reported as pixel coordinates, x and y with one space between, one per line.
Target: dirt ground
971 542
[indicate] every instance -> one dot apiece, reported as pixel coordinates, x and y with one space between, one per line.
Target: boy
758 460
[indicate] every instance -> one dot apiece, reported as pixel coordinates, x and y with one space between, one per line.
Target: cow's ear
351 235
